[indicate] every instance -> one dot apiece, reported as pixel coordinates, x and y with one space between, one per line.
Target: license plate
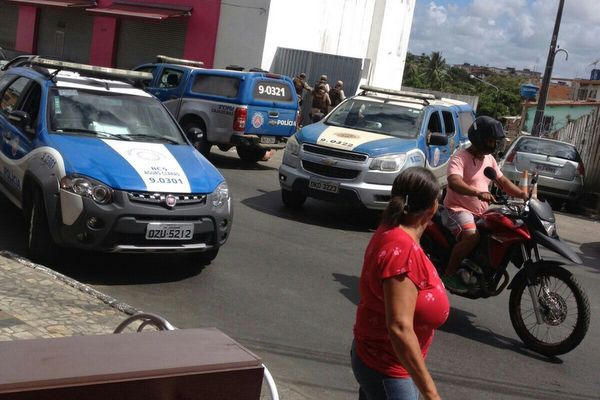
326 186
163 231
267 139
545 169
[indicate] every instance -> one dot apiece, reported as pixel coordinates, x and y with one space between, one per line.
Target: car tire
40 246
251 153
292 199
200 143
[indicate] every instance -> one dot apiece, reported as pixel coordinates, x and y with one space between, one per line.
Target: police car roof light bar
425 97
179 61
91 70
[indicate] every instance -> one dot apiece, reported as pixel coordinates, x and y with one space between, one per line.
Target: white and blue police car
354 154
98 164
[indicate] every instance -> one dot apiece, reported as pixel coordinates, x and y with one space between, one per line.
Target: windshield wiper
160 138
93 132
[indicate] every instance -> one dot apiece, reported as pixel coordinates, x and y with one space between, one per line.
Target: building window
582 94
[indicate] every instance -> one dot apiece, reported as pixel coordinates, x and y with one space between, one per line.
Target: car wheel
40 245
292 198
198 139
251 153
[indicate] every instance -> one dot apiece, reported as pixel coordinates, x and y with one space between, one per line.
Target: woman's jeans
376 386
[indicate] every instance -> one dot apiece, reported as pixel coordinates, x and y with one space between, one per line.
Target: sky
509 33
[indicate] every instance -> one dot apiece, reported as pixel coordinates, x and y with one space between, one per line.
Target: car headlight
87 187
550 228
292 145
388 163
220 196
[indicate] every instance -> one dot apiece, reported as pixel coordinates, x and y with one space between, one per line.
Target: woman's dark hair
414 191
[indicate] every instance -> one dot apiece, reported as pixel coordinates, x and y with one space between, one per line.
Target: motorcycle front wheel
564 310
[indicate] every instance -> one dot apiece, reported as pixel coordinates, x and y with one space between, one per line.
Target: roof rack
424 97
90 70
180 61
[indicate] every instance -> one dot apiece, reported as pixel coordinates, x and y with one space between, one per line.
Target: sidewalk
37 302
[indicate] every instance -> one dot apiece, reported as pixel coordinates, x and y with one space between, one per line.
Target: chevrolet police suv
354 154
98 164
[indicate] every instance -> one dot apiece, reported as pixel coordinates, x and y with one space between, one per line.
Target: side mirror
19 118
438 139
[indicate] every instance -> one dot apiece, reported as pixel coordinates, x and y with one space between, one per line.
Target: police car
98 164
253 111
355 153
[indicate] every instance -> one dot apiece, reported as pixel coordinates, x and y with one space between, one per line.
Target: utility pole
539 113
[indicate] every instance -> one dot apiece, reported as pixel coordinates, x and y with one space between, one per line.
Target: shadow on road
350 289
229 161
315 212
459 323
126 269
591 255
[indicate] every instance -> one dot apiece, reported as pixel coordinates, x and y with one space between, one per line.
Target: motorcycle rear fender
557 246
531 268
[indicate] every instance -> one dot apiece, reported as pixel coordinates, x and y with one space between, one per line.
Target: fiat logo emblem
170 201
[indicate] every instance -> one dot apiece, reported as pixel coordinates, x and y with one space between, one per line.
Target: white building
374 30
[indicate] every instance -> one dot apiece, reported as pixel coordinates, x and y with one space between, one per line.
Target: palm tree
436 70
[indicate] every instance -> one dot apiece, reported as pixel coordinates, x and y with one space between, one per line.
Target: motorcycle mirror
490 173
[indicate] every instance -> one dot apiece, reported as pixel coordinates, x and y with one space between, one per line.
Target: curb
112 302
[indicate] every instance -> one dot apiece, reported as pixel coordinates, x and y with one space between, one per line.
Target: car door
22 94
168 84
449 119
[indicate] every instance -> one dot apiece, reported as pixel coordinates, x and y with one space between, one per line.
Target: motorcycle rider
468 193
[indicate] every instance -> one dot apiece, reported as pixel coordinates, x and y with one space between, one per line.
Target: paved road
286 286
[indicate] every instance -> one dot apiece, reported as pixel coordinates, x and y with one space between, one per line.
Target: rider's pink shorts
458 221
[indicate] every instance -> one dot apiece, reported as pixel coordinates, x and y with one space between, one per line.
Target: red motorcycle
548 309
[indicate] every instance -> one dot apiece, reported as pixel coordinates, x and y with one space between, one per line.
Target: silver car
558 165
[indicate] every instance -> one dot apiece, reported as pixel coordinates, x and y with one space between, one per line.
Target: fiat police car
355 152
98 164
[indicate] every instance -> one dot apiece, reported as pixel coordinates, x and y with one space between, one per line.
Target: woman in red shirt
402 297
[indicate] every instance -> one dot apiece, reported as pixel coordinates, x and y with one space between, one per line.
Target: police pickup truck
253 111
355 152
98 164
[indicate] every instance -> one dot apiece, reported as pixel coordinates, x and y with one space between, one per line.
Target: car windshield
384 118
547 148
111 115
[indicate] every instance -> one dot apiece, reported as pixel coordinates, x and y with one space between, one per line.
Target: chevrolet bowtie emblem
328 161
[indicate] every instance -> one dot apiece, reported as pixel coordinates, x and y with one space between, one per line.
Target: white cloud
437 13
504 33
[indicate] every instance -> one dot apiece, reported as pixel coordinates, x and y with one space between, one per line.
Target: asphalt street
286 286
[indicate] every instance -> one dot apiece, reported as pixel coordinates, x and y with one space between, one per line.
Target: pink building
120 33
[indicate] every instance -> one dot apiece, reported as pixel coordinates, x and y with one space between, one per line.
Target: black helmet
484 128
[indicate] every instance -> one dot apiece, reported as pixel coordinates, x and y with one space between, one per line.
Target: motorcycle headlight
220 196
550 228
292 145
87 187
390 163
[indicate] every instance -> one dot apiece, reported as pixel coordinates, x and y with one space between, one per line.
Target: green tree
436 70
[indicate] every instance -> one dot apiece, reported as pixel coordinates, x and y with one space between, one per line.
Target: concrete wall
241 34
377 30
563 113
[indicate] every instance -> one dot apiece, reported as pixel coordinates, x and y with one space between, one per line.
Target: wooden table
178 364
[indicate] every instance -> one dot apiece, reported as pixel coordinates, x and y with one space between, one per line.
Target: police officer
322 81
300 85
337 94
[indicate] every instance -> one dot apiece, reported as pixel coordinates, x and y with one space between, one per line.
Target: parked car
355 153
558 164
97 164
253 111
